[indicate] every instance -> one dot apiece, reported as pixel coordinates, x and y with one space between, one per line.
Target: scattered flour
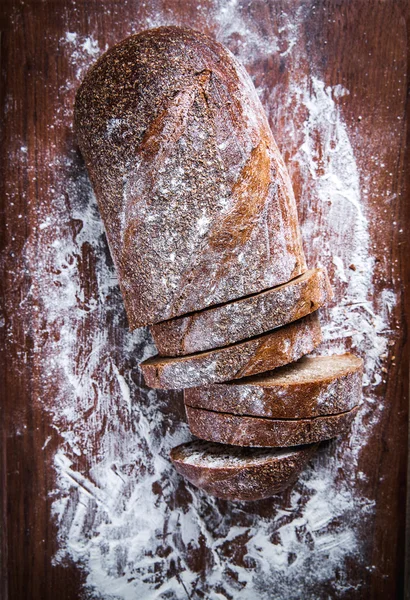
114 503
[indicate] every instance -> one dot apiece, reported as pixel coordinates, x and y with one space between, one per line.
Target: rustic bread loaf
226 428
262 353
194 194
239 473
313 386
244 318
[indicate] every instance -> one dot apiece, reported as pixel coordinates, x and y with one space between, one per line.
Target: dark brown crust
236 430
285 393
243 482
195 196
244 318
262 353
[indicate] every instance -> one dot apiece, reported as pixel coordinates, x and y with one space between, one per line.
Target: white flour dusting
115 505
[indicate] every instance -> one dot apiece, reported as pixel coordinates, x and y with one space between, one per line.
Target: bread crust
244 318
244 474
314 386
226 428
262 353
195 197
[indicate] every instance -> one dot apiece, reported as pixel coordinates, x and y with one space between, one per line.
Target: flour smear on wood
117 516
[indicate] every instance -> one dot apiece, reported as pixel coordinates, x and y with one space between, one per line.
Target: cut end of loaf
251 431
312 386
261 353
244 318
243 474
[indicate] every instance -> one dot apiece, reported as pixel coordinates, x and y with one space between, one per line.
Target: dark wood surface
50 337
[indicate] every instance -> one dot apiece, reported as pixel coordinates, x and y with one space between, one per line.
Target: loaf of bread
244 318
313 386
239 473
262 353
194 194
202 225
240 430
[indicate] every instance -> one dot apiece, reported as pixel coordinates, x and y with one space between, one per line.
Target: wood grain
360 46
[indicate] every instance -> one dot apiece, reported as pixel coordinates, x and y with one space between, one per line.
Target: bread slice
194 194
313 386
226 428
262 353
244 318
239 473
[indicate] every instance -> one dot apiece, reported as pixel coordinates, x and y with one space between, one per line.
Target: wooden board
90 504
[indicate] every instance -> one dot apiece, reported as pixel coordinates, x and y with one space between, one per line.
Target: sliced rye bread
195 196
245 474
262 353
244 318
237 430
313 386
